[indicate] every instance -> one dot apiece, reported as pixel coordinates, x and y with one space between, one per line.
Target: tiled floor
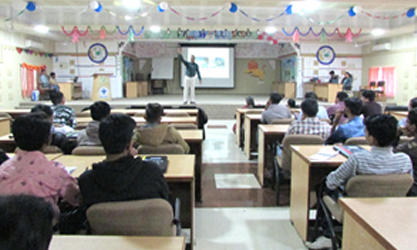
236 213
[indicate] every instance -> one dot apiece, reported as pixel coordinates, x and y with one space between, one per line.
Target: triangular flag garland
35 53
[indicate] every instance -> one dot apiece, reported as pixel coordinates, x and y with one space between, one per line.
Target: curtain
373 75
27 81
389 76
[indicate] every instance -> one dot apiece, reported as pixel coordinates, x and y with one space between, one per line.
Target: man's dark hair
369 94
354 105
412 116
47 110
25 223
52 74
275 98
116 132
154 111
291 102
413 102
99 110
331 72
383 128
56 97
310 107
342 96
310 95
31 131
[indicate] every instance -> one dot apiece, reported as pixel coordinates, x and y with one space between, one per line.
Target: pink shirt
33 174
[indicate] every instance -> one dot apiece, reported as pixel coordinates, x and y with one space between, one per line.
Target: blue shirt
354 128
44 80
402 122
190 68
322 114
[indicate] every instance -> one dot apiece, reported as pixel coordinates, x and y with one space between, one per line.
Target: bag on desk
72 219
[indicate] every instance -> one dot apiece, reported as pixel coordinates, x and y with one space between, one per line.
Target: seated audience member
121 177
273 110
25 223
353 128
63 114
292 104
29 171
322 114
338 107
59 138
410 147
412 104
155 133
250 103
46 83
52 78
89 136
310 124
381 131
370 107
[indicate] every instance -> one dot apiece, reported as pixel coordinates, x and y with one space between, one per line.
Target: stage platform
216 106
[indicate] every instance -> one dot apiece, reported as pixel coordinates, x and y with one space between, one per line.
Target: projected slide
216 65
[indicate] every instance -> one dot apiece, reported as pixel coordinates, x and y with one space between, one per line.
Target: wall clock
97 53
326 55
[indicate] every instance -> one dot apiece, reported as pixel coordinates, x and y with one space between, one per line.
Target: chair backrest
83 114
390 185
177 114
296 140
356 141
88 150
150 217
395 108
139 114
50 149
381 83
162 149
282 121
182 126
372 84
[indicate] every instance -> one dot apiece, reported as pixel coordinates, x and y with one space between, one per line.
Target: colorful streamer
384 17
11 18
321 33
76 31
319 22
259 20
197 18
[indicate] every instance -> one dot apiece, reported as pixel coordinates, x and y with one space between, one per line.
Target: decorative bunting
296 36
322 33
77 32
259 20
32 52
33 67
384 17
197 18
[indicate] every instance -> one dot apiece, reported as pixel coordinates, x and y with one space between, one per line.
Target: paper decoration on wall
33 67
254 71
97 53
326 55
35 53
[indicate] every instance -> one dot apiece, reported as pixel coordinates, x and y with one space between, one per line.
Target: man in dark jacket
121 177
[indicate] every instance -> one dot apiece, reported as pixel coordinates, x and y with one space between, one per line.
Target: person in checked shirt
310 124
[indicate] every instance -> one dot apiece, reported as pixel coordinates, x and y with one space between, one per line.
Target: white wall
71 60
11 60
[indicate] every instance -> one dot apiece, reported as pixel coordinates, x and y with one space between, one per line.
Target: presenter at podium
191 74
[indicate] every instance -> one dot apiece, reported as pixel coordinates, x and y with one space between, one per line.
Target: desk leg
196 149
299 205
238 128
356 237
247 124
261 156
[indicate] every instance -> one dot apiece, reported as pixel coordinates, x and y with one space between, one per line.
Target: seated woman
29 171
154 133
250 103
89 136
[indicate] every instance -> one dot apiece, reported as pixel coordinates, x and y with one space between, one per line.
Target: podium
101 87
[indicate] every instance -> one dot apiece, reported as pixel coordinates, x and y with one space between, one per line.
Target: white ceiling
69 13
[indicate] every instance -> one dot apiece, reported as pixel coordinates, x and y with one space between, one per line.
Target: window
386 74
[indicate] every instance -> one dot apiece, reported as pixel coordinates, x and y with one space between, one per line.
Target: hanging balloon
357 9
260 37
233 7
162 6
275 41
269 38
411 12
160 9
94 5
351 12
75 37
288 10
99 9
31 6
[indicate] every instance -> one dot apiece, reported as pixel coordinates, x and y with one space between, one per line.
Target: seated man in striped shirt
380 132
310 124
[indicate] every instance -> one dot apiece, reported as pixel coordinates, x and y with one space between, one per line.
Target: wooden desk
194 139
267 135
240 114
179 176
15 112
131 112
7 143
70 90
379 223
284 88
399 114
303 170
325 91
4 126
82 122
90 242
251 126
136 89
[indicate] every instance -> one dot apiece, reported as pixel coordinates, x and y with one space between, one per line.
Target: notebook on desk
347 150
160 161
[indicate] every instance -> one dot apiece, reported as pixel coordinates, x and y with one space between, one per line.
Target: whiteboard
162 68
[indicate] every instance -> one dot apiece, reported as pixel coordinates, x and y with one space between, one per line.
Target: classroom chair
88 150
391 185
356 141
149 217
183 126
282 163
83 114
162 149
391 108
282 121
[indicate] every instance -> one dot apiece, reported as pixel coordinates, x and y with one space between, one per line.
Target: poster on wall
254 71
289 69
